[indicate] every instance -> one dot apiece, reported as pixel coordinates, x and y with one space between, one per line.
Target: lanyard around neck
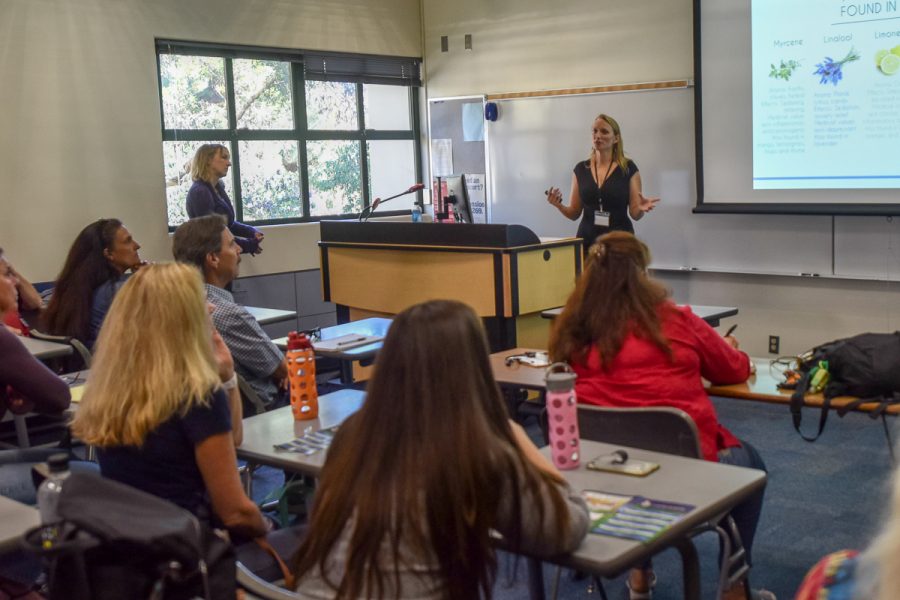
601 183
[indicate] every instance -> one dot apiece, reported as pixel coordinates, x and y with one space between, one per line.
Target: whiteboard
536 142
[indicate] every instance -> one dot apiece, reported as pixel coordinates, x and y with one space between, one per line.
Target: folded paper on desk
346 342
309 443
632 517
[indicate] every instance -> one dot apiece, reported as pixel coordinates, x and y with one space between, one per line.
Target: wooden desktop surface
760 387
763 387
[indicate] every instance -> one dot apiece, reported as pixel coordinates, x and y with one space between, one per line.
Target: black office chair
670 431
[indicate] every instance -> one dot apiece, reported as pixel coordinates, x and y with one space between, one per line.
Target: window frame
300 134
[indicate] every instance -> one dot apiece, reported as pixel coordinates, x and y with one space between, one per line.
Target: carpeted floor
820 497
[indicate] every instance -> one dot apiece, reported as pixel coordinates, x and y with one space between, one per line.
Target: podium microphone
367 212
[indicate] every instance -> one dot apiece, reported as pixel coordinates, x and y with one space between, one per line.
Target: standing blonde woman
162 406
208 196
606 188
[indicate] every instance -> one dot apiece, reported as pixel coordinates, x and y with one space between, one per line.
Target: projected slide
826 94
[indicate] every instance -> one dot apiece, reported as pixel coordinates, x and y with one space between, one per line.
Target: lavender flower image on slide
831 70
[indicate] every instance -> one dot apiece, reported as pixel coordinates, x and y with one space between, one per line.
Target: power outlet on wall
774 344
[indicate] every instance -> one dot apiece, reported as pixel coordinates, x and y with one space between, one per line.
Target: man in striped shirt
207 243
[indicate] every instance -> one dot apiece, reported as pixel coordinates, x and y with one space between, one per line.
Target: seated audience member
631 346
163 409
164 413
26 385
94 270
28 299
207 243
437 466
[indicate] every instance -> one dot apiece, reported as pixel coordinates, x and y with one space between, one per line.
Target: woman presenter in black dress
606 188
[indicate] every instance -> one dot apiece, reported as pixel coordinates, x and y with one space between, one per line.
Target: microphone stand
367 211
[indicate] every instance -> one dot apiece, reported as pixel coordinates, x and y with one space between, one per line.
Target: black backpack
866 366
116 541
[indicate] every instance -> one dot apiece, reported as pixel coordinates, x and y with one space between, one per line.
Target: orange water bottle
301 364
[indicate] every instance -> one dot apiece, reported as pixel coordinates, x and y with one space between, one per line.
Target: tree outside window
301 148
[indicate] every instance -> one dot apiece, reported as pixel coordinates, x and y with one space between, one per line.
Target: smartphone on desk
613 463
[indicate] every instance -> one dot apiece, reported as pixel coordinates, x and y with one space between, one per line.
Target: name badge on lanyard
601 218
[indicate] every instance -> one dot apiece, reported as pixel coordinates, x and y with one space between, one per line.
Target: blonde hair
200 163
618 151
169 368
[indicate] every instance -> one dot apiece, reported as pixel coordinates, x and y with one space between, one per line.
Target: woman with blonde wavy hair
163 410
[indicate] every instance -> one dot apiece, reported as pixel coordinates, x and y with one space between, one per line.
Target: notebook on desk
346 342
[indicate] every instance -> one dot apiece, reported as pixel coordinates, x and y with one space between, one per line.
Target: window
311 134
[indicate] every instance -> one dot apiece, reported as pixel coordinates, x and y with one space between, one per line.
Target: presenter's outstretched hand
648 204
554 197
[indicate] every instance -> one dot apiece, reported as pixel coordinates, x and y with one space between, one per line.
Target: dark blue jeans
746 514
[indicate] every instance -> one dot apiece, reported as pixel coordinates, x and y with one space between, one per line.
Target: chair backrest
82 358
658 428
253 404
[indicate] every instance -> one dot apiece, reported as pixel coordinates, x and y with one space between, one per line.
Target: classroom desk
712 488
763 387
278 426
267 316
517 375
710 314
373 326
42 349
15 519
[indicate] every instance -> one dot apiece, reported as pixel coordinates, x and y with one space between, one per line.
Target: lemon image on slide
895 50
890 64
879 55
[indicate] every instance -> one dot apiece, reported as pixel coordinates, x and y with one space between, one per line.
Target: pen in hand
731 330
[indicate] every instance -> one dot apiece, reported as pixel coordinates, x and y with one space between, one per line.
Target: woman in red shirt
631 346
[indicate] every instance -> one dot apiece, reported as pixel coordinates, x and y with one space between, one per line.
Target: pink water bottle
562 416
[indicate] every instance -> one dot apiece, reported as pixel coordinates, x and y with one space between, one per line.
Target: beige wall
79 110
525 45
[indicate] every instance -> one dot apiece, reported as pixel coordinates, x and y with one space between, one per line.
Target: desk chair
80 349
670 431
256 587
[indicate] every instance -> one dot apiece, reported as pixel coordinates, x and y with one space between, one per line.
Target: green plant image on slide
784 70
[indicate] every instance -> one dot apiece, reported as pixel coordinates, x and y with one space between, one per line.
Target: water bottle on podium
562 416
301 362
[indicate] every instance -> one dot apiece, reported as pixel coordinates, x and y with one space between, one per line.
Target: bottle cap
58 462
559 377
298 341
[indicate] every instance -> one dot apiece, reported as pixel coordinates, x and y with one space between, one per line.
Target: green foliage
194 96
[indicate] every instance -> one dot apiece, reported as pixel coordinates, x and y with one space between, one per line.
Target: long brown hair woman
417 479
631 346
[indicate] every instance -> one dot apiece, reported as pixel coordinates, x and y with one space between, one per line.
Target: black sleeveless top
613 197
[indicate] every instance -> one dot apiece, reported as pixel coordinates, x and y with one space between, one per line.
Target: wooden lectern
504 272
